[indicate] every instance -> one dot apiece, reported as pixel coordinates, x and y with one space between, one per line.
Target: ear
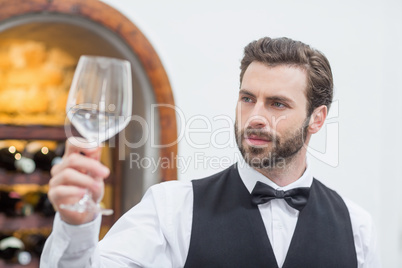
317 119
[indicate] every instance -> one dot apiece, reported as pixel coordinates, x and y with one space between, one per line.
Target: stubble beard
282 151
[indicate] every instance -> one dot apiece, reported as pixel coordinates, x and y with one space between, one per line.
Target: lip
255 140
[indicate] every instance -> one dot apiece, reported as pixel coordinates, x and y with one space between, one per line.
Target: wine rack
34 222
37 177
33 132
86 28
17 226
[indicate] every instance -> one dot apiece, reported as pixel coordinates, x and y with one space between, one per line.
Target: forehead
285 80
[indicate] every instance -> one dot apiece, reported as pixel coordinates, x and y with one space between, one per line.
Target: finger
69 195
82 146
83 164
65 194
72 177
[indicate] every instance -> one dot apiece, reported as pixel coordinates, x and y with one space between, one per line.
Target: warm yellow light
17 156
12 149
45 150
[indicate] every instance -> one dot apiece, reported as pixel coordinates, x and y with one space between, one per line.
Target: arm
154 233
74 236
71 245
137 239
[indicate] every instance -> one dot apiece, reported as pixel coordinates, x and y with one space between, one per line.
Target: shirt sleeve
364 234
151 234
372 258
70 245
137 239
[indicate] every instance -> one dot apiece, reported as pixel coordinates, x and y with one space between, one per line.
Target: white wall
201 44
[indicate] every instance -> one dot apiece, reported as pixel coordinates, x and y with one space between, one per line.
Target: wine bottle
45 207
34 242
8 158
12 250
25 165
11 204
44 153
12 159
46 158
9 201
40 202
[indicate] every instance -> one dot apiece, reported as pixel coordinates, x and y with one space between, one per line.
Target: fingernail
105 170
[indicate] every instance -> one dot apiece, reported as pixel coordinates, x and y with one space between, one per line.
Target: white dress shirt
156 232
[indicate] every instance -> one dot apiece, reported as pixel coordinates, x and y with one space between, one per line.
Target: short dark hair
285 51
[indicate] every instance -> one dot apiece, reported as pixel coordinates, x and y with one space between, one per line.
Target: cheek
240 107
280 123
241 115
284 124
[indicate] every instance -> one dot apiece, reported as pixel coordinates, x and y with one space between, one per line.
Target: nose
258 119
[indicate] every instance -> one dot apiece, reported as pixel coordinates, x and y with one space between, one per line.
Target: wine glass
99 106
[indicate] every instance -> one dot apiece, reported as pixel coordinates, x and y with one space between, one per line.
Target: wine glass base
85 208
106 211
86 204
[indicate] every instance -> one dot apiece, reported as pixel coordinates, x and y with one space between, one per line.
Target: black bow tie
296 198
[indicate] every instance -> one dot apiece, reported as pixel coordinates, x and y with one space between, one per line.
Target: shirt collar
250 176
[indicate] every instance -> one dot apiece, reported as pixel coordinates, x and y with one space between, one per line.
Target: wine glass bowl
99 106
99 102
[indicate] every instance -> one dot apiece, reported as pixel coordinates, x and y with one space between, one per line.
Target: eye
246 99
278 105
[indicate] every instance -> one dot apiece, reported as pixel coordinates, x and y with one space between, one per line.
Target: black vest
228 231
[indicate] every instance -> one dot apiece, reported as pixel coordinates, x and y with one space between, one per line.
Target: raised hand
79 171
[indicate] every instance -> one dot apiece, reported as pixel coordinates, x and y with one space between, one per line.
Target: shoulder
171 186
178 191
217 177
357 213
364 233
360 218
362 222
167 205
170 192
163 199
177 196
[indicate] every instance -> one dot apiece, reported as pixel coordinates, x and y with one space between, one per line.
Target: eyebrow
246 92
272 98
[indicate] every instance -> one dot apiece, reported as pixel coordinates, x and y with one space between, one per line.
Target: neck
291 170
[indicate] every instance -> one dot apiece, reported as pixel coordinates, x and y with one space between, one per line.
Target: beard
283 149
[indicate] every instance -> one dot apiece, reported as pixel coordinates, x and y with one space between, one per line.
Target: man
265 211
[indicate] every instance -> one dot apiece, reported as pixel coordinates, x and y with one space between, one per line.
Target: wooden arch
112 19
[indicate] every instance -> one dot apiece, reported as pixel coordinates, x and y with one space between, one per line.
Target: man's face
271 119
